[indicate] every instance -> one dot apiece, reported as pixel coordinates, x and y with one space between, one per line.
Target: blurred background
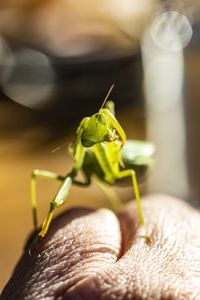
58 59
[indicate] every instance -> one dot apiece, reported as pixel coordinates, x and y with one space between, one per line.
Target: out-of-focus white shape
137 149
128 8
171 31
131 16
6 60
163 73
30 79
163 76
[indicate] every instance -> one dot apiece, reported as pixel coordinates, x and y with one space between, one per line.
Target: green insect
100 150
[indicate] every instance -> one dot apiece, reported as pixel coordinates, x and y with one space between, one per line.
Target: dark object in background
82 87
79 85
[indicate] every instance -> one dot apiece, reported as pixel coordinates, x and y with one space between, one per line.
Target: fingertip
79 243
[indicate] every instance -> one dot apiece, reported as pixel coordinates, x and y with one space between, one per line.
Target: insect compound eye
87 143
100 118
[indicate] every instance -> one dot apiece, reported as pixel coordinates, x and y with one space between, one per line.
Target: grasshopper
100 149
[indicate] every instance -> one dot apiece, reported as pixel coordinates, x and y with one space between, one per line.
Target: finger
170 267
79 244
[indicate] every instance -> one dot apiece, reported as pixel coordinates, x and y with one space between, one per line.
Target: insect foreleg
115 124
57 201
41 174
61 196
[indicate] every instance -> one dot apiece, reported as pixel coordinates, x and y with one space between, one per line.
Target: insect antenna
58 148
108 94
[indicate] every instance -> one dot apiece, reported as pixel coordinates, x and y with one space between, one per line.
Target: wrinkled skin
96 255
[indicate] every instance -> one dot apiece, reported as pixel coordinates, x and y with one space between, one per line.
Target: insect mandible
100 149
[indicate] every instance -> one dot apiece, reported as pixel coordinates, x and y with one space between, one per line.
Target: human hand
95 255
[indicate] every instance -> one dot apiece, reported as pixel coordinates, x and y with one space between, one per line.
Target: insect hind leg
110 193
131 173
